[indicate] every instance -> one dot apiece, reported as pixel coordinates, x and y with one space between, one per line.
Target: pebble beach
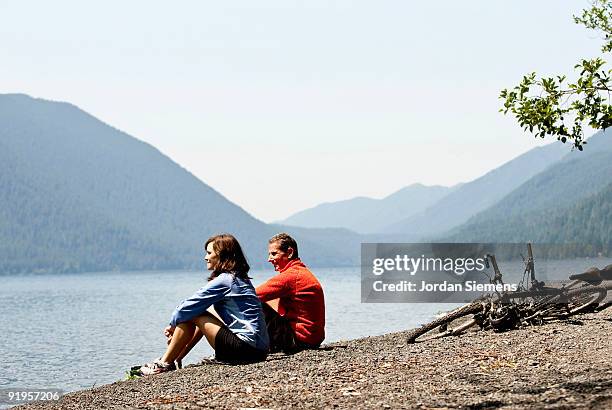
559 365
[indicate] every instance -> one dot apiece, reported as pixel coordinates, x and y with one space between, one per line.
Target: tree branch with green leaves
555 107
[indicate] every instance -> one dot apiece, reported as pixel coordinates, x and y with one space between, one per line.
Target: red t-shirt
301 301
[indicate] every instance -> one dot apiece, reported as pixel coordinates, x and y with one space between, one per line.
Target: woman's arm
197 304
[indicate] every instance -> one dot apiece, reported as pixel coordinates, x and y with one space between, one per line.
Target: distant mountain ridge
567 202
77 194
477 195
369 215
421 213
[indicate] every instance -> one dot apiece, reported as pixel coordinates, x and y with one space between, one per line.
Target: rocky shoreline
560 365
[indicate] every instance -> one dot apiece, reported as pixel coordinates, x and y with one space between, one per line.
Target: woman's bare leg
209 326
197 336
185 334
181 337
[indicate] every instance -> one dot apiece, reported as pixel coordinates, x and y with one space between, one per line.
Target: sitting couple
246 328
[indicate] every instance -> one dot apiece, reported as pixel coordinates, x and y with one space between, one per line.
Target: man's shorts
231 349
282 336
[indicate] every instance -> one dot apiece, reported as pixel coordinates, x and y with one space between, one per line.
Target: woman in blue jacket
240 336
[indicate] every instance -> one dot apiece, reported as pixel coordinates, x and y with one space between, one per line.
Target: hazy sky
281 105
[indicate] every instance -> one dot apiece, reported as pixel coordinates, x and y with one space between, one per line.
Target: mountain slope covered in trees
79 195
475 196
587 225
550 196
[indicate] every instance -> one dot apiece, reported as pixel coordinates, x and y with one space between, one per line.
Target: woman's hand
168 332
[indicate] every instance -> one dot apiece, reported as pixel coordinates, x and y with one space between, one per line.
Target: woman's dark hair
230 257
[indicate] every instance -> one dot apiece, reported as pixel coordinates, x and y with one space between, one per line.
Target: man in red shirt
299 322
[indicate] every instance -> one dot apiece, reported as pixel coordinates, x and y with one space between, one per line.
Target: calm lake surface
74 331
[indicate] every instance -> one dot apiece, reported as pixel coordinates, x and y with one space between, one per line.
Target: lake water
74 331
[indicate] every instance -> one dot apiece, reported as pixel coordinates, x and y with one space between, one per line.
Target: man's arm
276 287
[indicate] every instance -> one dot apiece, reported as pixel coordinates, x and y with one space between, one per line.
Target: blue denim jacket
236 302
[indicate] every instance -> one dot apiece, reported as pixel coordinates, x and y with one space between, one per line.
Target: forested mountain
475 196
368 215
568 202
79 195
587 225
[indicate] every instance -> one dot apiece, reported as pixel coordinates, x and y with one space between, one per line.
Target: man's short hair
285 242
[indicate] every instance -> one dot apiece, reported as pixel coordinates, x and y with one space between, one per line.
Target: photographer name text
423 286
